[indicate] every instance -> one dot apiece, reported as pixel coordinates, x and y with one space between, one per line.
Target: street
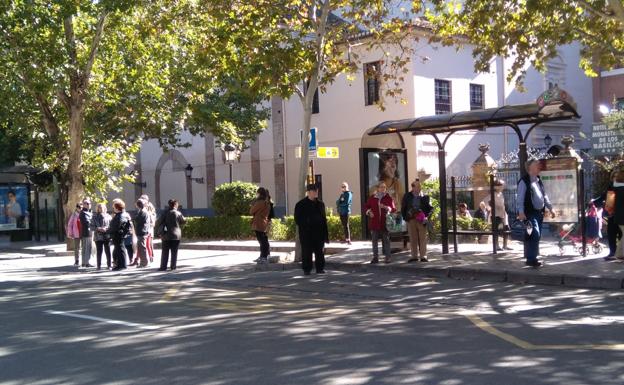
220 320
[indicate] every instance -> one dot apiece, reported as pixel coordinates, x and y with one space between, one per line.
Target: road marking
105 320
169 294
488 328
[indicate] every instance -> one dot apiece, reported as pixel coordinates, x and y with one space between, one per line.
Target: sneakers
424 259
610 258
262 260
76 263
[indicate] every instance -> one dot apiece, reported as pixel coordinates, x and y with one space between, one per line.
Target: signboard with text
559 176
14 206
606 140
328 152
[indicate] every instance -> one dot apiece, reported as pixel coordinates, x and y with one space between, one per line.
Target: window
315 100
476 97
442 97
372 83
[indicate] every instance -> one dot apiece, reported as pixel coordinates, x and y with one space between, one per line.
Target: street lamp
188 171
547 140
604 109
230 153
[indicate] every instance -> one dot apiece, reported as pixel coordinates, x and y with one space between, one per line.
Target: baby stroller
570 233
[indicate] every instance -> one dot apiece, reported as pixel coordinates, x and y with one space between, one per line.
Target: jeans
385 242
263 239
105 247
87 249
531 244
418 238
613 234
76 250
344 219
164 258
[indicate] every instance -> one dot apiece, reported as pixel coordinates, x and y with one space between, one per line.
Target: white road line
106 320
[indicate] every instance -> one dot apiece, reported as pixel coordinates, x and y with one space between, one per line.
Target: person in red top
377 207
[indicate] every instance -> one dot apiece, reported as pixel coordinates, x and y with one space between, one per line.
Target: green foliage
479 224
239 227
432 188
234 198
531 31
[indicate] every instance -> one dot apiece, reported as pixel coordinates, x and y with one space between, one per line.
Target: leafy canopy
531 30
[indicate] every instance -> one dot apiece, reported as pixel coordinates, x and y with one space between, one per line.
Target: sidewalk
473 261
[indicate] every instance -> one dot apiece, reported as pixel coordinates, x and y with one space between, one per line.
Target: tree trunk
303 167
72 187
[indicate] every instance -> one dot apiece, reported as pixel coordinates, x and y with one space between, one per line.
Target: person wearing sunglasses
343 205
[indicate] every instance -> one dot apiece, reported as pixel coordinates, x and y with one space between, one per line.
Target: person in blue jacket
343 205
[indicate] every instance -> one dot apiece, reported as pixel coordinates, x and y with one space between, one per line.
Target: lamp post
188 171
230 154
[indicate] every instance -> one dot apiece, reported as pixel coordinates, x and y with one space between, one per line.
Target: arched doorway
179 163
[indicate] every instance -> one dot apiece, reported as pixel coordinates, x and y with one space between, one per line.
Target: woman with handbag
415 209
501 221
377 207
100 224
260 211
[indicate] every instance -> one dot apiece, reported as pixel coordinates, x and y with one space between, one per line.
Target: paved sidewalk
473 261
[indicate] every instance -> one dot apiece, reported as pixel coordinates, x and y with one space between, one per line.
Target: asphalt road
220 321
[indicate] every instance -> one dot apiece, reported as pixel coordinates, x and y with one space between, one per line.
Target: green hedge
239 227
234 198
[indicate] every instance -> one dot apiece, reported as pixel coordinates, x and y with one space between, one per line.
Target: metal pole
493 216
453 205
45 216
523 156
37 229
443 192
230 164
581 181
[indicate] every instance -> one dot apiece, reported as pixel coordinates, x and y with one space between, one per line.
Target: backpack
271 211
124 229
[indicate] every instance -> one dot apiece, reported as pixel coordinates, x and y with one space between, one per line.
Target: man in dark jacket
141 230
613 230
532 202
118 229
618 215
311 221
86 235
415 209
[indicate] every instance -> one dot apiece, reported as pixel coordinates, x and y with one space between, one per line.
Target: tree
294 48
83 82
531 31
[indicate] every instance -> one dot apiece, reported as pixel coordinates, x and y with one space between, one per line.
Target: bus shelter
552 105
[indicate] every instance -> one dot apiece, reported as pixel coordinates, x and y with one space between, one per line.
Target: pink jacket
73 226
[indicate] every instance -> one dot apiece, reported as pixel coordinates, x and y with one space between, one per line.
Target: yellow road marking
169 294
488 328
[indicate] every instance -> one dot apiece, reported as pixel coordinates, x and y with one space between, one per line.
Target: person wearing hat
311 221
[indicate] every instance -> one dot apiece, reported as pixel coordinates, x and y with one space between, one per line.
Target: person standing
501 221
149 240
343 205
86 235
100 224
607 202
141 231
376 208
260 222
118 229
532 203
618 215
311 221
415 209
169 228
73 232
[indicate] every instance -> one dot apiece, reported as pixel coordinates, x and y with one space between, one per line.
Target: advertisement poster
559 176
391 168
13 207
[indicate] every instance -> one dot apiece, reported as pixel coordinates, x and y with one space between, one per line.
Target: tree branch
70 42
617 8
86 73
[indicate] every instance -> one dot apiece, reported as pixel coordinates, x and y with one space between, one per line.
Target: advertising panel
559 176
14 207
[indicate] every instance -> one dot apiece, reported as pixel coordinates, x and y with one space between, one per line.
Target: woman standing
73 232
607 202
501 221
118 229
100 224
343 205
377 207
168 227
13 210
151 212
260 223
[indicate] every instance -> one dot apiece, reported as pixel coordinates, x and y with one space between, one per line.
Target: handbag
518 230
610 202
394 223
